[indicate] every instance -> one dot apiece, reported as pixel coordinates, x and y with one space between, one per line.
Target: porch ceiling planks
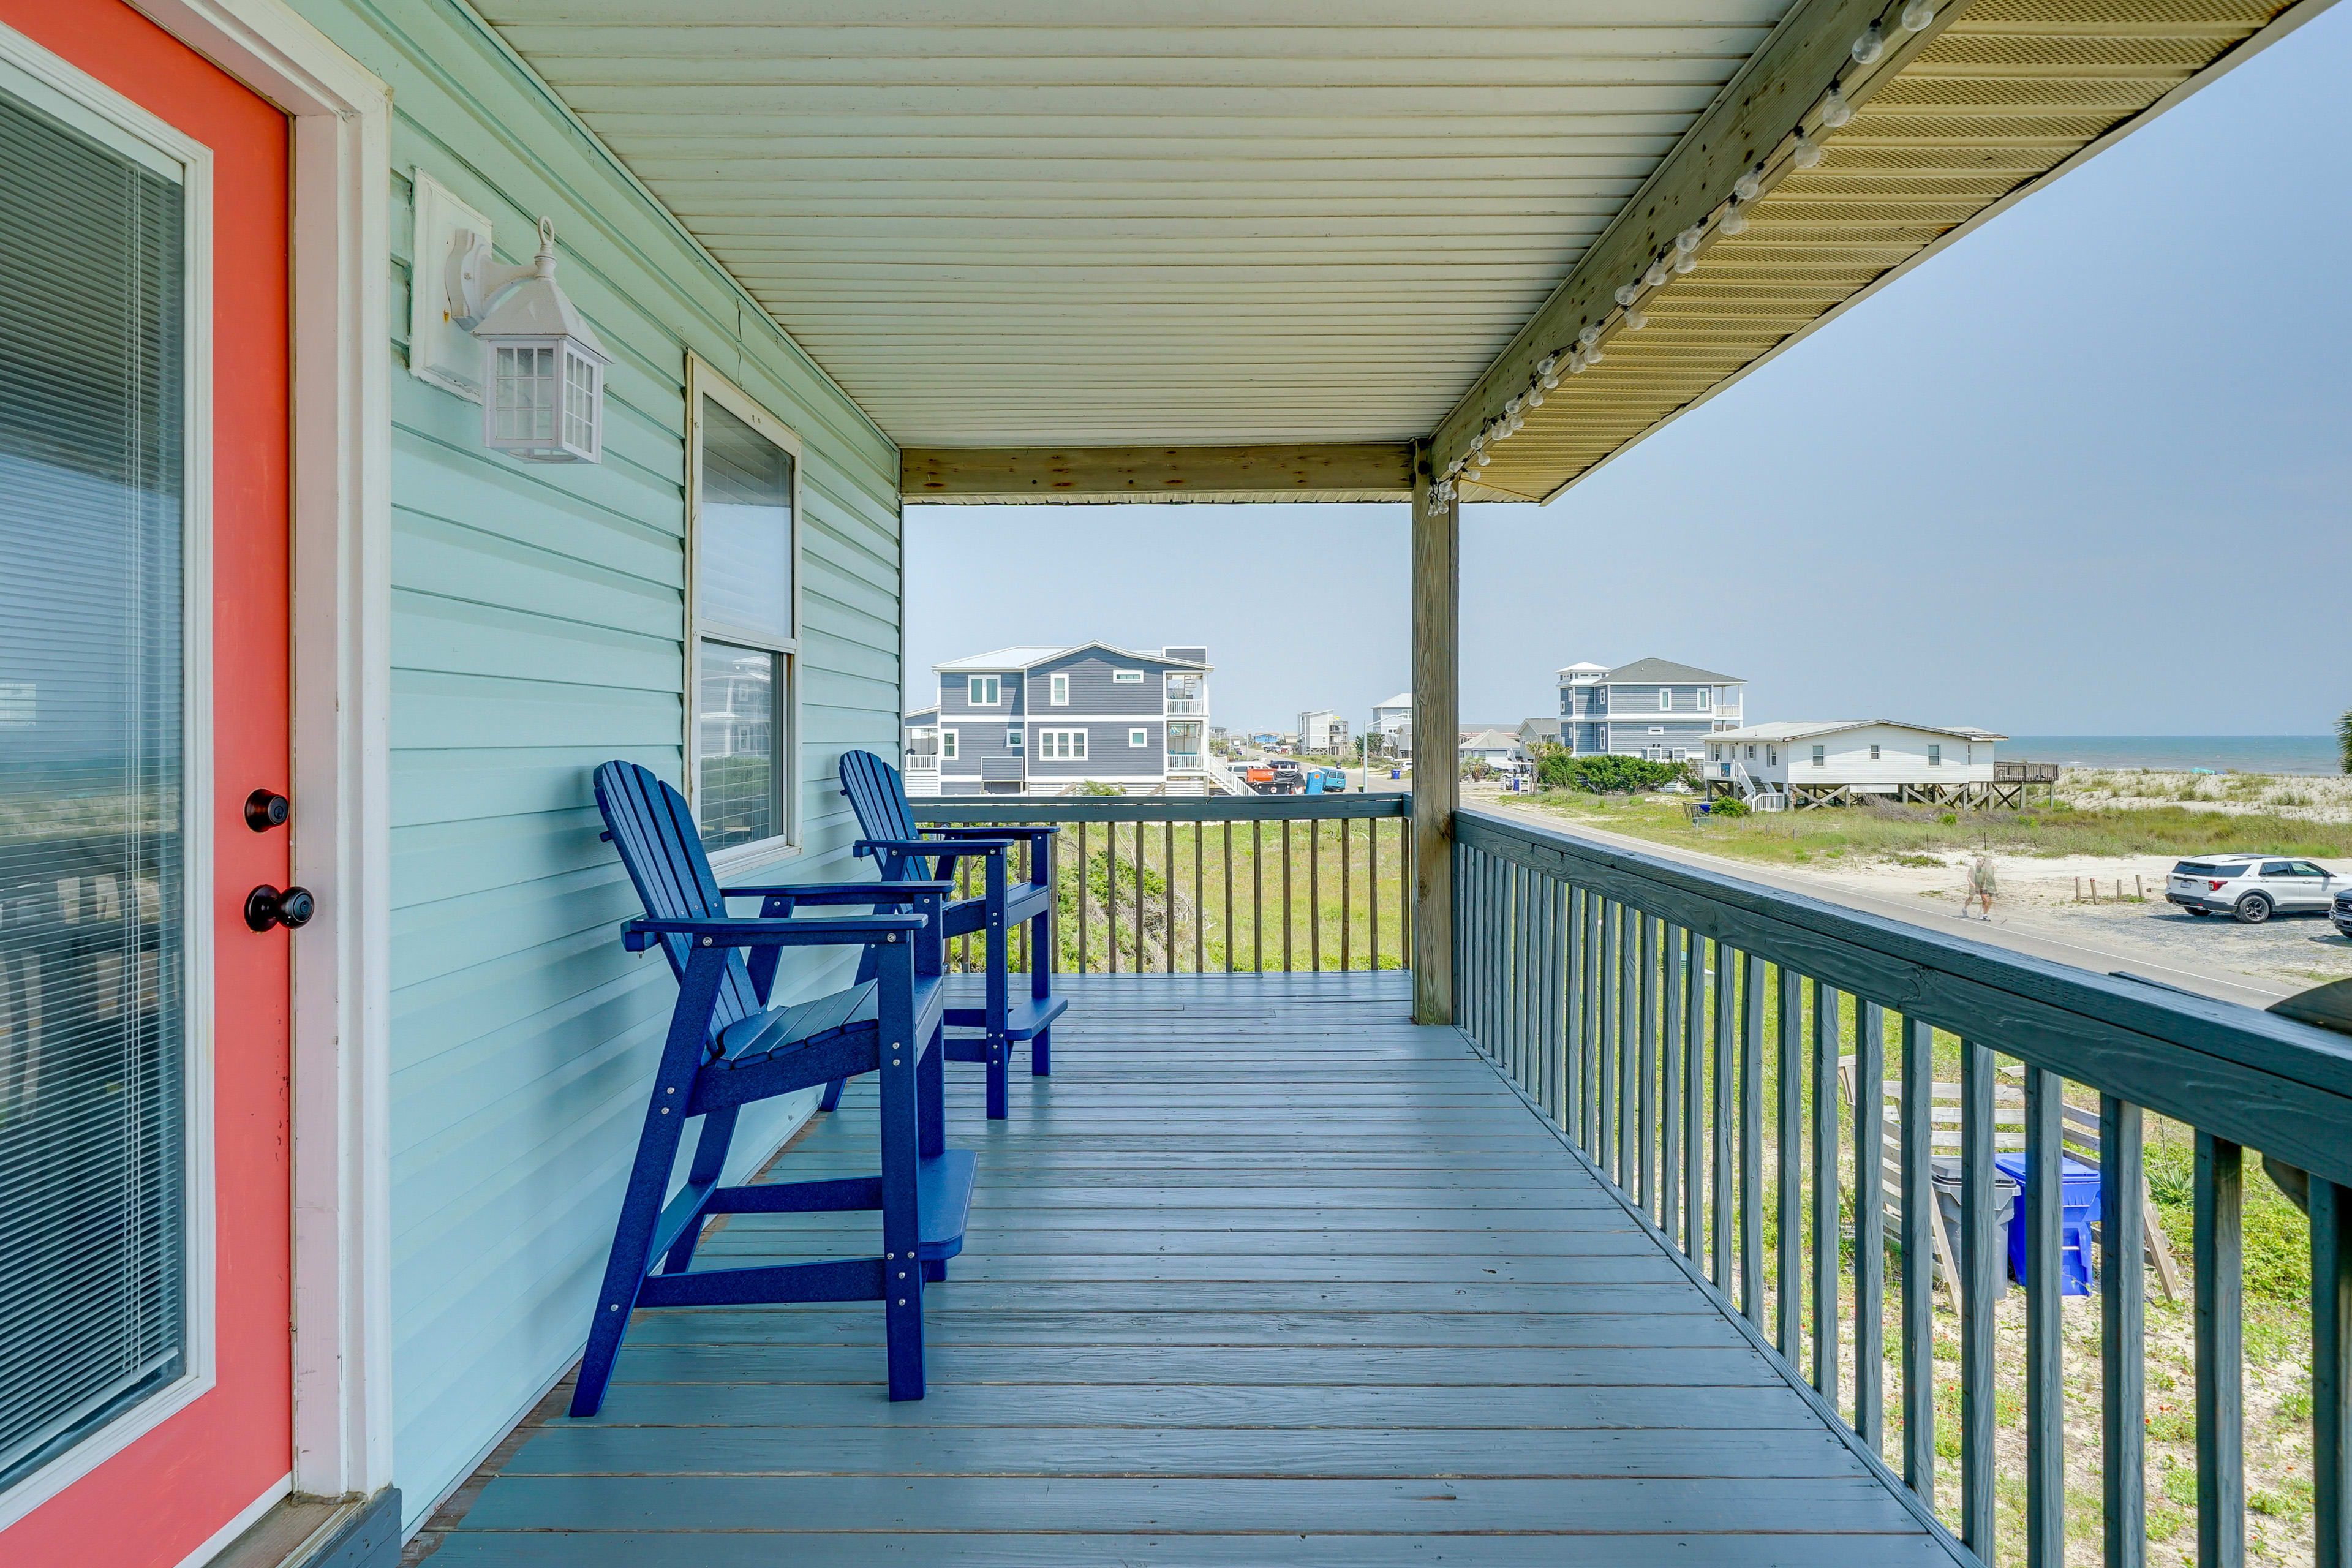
1047 222
1998 98
1263 1274
1329 472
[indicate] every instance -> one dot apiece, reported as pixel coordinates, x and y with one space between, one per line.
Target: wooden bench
879 797
727 1048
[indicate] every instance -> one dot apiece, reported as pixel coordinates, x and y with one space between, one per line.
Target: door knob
266 809
265 907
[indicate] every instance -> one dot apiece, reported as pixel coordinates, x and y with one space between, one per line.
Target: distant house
1828 762
1394 716
1494 746
1044 720
1322 731
1535 733
1651 708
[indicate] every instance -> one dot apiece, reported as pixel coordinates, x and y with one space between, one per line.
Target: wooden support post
1436 607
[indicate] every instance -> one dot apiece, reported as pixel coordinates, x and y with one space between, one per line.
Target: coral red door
145 1348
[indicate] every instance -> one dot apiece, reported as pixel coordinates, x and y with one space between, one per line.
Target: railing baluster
1694 1094
2331 1373
1918 1257
1869 1222
1141 967
1752 1140
1556 1006
1646 1194
1315 898
1229 897
1978 1262
1572 960
1670 1099
1372 893
1086 870
1257 899
1168 886
1632 943
2045 1387
2221 1354
1612 920
1286 895
1722 1002
1200 908
2123 1324
1110 896
1826 1229
1411 857
1789 1287
1523 1013
1347 910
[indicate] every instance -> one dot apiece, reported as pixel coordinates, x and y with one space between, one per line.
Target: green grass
1911 836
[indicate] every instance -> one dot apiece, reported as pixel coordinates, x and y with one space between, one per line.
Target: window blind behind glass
92 1182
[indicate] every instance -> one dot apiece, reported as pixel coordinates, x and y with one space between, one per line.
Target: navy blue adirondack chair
727 1048
879 798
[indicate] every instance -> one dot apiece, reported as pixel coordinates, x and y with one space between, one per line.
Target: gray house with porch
1651 708
1040 720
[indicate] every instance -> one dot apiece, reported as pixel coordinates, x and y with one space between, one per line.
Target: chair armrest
823 931
930 846
842 892
993 831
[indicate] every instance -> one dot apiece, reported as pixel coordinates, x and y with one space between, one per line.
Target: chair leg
1041 1054
710 1165
832 1100
998 1092
625 1270
936 1272
931 1095
902 1275
1040 986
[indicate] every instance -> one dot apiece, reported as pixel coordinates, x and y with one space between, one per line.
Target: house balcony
1268 1272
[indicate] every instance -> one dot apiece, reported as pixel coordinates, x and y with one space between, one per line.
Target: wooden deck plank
1263 1274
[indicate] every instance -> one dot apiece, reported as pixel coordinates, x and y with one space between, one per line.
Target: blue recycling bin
2078 1206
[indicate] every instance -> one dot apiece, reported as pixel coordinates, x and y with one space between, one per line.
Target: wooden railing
1687 1033
1213 884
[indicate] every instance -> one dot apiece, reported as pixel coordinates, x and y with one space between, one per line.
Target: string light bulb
1688 240
1592 356
1590 336
1734 220
1918 16
1808 153
1656 275
1748 186
1535 397
1870 45
1685 262
1636 320
1629 293
1837 111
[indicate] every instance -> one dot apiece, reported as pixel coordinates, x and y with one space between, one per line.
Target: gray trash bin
2006 1189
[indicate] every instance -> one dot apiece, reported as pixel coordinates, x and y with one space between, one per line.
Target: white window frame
1057 689
948 745
1666 698
1061 746
1127 677
1139 737
1821 756
972 685
917 733
1016 738
705 380
1706 699
1874 752
1936 755
1657 729
65 92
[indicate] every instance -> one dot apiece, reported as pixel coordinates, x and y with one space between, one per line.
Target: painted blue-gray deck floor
1265 1274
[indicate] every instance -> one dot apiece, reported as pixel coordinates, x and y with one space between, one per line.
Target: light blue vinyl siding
539 630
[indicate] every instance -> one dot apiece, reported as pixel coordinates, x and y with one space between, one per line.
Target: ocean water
2221 753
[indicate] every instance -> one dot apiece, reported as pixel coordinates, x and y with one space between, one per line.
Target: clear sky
2089 471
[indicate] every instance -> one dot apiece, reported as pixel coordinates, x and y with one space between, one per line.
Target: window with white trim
1666 698
1821 756
1139 737
947 745
1057 690
1127 676
743 540
1012 738
1874 753
922 747
1061 745
983 691
1705 697
1935 756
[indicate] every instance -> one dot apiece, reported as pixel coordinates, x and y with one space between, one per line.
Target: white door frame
340 134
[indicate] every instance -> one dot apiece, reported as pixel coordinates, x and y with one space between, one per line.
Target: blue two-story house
1651 708
1043 720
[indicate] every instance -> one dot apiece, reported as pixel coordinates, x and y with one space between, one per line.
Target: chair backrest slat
877 795
653 828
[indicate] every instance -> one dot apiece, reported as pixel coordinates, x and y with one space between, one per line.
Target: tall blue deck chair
879 798
727 1048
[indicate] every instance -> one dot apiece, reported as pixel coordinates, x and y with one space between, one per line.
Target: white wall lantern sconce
542 374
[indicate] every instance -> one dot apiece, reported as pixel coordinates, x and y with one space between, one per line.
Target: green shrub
1729 806
1606 774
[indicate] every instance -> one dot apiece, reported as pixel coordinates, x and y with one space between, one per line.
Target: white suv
2253 887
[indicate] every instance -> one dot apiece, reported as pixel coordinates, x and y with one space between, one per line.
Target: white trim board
340 126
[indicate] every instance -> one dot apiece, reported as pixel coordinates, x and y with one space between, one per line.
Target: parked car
2340 913
1335 779
2253 887
1273 776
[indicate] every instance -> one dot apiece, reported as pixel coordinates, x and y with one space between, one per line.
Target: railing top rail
1163 808
2252 1076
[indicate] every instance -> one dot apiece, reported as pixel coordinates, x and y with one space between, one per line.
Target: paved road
2220 983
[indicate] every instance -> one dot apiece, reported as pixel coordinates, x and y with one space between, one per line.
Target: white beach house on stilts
1838 761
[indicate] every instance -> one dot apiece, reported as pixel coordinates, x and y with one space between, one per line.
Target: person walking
1981 888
